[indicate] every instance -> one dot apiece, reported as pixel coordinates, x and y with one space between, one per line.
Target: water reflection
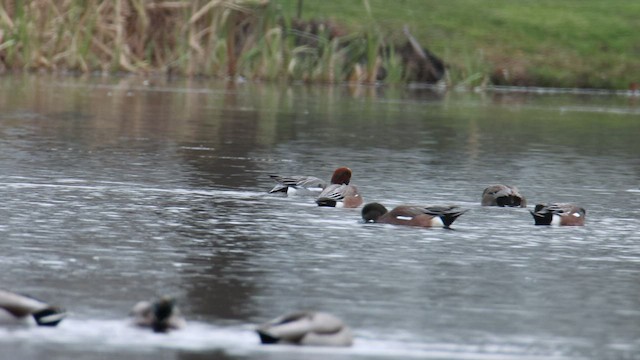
124 189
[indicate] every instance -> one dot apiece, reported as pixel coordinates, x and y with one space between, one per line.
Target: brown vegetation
224 38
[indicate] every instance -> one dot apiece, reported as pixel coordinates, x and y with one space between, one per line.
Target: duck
309 185
503 195
16 308
161 315
308 328
340 193
564 214
412 215
340 196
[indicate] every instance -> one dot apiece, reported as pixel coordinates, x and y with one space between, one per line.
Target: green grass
567 43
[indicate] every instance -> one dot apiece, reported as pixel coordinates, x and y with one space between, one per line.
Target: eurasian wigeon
306 185
558 214
306 328
503 195
340 193
425 216
15 308
161 315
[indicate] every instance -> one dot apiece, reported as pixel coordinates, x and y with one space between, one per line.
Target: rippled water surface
117 190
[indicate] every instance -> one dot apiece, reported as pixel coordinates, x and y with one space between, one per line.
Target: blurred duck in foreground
306 328
559 214
503 195
340 193
424 216
161 315
16 308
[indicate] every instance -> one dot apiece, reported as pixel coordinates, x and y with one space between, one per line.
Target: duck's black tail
541 216
448 214
450 217
266 338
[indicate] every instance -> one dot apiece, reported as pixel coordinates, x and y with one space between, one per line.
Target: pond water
117 190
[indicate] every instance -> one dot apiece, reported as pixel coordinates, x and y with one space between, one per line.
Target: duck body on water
17 308
503 196
161 315
340 196
340 193
562 214
306 328
412 215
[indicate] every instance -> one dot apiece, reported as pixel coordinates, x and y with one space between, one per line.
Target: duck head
341 175
372 211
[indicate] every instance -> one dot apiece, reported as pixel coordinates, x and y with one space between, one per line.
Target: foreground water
117 190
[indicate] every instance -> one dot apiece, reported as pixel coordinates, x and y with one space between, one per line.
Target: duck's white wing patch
405 218
53 318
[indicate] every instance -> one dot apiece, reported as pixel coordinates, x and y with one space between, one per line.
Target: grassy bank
568 43
573 43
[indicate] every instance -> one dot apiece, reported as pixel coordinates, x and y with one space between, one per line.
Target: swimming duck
340 193
558 214
425 216
340 196
306 328
503 195
305 185
161 315
17 307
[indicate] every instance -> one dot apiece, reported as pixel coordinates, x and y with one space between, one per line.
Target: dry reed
223 38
